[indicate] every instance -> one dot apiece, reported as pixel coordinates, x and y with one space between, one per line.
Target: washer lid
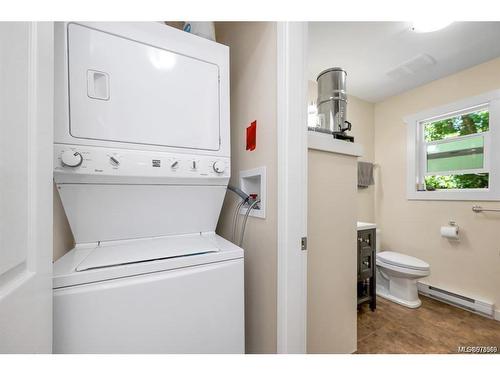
66 275
137 251
402 260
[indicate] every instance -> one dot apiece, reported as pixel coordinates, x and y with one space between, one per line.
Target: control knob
114 160
71 158
219 167
174 164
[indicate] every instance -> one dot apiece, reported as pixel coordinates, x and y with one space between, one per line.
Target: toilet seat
401 260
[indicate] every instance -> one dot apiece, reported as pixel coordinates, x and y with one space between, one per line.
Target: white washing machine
141 163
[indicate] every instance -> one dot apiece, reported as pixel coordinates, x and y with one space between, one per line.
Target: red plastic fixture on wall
252 136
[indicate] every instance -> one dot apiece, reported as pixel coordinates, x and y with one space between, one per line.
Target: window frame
417 157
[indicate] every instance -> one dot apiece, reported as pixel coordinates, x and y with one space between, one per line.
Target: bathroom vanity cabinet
366 268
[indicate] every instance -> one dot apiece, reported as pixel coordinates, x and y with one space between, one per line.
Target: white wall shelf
326 142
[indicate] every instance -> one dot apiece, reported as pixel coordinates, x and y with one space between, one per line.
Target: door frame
292 186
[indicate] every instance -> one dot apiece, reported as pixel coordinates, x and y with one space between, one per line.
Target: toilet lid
402 260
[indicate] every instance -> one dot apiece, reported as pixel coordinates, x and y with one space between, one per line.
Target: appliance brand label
156 163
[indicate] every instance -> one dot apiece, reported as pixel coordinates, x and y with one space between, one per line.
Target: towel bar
480 209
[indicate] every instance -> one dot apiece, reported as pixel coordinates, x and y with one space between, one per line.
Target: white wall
471 266
361 114
332 256
253 97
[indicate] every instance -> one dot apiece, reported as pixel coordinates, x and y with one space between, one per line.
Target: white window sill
454 195
326 142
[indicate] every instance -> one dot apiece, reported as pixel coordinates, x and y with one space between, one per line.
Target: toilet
397 276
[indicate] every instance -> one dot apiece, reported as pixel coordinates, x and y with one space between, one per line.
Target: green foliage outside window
456 126
469 123
458 181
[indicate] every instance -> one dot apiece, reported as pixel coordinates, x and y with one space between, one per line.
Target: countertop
362 225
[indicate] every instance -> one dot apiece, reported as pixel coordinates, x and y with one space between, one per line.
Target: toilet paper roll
450 232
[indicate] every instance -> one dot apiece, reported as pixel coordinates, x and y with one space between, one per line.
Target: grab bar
480 209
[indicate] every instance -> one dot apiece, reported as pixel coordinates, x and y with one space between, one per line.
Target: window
453 152
312 116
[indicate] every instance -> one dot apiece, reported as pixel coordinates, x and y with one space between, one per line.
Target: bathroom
413 79
340 237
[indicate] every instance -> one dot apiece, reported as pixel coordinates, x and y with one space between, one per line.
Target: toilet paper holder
451 231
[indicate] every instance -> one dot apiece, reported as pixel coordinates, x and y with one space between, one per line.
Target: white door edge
27 118
292 186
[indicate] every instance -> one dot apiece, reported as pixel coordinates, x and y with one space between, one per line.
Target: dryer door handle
97 85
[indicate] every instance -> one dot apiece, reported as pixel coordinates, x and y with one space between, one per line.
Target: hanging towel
365 174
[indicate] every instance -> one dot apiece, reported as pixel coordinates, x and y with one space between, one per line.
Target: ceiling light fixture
427 26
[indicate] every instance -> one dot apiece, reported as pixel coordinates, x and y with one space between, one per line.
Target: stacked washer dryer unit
141 163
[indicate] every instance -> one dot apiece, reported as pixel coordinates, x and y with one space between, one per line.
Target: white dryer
141 163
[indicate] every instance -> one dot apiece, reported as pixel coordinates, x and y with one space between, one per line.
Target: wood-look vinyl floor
435 327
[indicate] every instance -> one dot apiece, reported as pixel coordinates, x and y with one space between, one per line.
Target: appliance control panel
87 160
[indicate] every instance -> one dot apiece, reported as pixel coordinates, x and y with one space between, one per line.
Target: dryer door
126 91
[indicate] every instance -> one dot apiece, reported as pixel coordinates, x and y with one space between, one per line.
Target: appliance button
175 164
71 158
194 164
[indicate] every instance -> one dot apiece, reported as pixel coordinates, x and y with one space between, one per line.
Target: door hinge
303 243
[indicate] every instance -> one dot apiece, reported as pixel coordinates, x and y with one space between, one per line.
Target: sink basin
361 225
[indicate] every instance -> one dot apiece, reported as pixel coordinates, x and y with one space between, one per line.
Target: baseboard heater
470 304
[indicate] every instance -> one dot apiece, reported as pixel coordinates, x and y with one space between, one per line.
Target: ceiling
386 58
